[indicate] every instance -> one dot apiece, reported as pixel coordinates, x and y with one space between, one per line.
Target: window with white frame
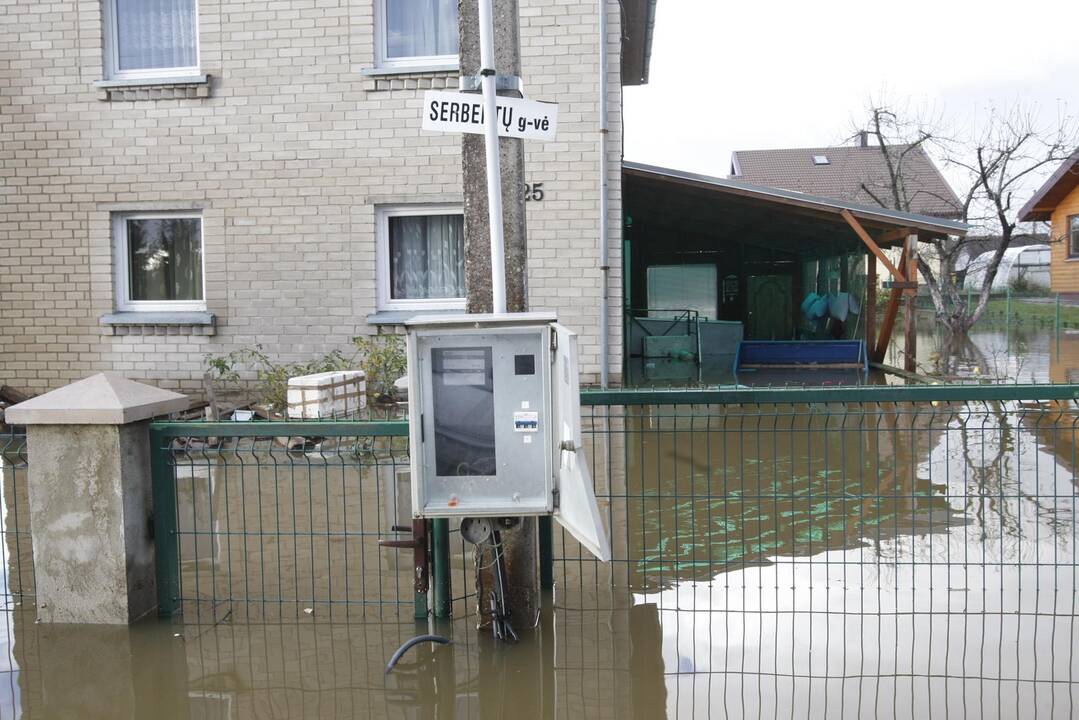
146 39
421 258
159 262
416 32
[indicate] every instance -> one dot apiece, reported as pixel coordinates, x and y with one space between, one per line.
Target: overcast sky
769 73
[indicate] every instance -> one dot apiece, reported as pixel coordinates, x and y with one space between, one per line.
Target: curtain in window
416 28
155 34
165 259
427 257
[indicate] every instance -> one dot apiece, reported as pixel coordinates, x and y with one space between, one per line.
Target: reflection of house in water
722 492
1064 358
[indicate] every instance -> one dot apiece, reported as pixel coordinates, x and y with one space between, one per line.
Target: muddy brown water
804 563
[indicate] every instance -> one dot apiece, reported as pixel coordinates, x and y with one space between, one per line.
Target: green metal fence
283 518
845 551
275 520
18 559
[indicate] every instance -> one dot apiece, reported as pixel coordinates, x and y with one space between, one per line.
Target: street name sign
445 111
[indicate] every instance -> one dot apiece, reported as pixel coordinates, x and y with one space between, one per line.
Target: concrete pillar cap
103 399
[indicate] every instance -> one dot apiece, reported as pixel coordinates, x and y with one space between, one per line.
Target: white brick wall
287 158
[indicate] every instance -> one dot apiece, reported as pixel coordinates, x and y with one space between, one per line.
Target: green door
769 306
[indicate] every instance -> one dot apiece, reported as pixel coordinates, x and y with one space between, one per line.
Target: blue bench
807 354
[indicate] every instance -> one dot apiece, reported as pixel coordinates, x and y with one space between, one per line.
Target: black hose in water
415 641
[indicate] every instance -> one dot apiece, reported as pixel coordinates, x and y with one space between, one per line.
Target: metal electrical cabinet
494 413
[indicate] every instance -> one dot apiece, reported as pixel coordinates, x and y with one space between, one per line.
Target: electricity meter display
464 411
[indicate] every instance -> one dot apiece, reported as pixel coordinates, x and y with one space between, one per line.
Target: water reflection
889 561
725 489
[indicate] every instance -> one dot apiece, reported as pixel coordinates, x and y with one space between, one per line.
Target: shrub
383 362
271 376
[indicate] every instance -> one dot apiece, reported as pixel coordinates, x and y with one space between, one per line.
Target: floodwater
769 562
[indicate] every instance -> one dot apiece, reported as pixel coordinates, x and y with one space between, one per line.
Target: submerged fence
17 549
846 552
287 517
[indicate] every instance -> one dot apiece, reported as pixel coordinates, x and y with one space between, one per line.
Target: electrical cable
415 641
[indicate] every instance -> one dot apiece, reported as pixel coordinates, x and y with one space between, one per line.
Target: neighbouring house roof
1055 189
638 22
820 209
851 173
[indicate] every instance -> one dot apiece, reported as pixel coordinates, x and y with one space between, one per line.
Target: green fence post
1008 306
546 553
166 559
440 530
1056 321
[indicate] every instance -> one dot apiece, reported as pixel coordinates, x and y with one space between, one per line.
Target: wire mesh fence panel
18 555
839 559
889 552
271 528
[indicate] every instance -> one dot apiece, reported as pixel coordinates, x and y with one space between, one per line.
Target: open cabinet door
577 510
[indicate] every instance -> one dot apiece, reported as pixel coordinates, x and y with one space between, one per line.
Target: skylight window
821 160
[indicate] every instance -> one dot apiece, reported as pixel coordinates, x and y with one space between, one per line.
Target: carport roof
875 219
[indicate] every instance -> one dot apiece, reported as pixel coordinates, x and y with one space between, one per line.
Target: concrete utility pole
520 544
512 162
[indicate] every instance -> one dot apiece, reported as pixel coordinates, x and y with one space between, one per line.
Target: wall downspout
604 261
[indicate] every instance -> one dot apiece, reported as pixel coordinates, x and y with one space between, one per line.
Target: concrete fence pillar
91 502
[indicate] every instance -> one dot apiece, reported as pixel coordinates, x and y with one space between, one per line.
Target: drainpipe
604 265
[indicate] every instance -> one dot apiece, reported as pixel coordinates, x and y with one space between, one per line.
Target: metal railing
269 520
844 551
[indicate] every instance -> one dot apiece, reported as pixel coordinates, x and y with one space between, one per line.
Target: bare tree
998 164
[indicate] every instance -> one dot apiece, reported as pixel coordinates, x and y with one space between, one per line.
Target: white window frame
111 51
122 273
382 60
383 281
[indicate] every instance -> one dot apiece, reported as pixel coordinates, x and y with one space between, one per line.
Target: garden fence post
443 602
91 501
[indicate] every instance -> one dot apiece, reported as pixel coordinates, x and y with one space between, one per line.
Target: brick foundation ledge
174 88
159 323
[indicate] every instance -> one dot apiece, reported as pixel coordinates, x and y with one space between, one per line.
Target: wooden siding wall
1065 271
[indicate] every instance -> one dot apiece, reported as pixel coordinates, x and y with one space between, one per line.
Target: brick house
184 178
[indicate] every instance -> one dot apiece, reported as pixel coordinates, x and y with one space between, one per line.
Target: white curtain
427 257
155 34
416 28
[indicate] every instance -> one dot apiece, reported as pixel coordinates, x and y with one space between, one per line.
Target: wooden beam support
888 324
872 245
893 235
910 329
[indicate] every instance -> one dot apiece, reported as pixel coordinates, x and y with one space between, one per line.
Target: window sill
419 77
159 323
398 317
161 88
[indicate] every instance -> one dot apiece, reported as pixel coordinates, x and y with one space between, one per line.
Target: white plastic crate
337 394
